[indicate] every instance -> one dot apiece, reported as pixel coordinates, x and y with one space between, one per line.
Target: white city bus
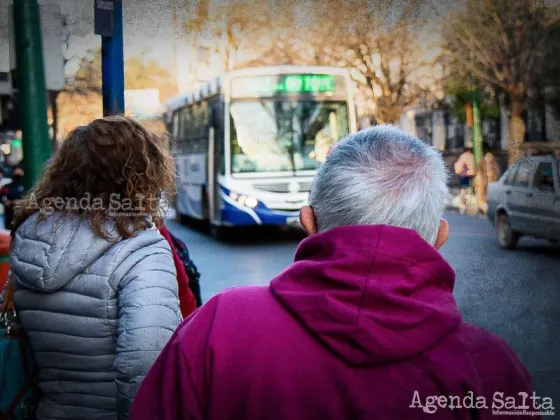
248 144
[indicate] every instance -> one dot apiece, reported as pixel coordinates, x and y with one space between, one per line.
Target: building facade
444 131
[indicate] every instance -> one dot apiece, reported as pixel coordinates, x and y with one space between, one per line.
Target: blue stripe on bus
232 215
235 217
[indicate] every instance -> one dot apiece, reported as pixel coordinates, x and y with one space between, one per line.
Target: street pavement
515 294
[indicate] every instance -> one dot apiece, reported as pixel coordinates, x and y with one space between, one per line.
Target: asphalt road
515 294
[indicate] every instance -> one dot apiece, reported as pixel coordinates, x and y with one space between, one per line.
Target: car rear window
523 174
509 176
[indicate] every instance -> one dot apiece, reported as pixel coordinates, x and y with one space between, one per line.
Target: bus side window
175 127
185 127
203 127
201 136
217 121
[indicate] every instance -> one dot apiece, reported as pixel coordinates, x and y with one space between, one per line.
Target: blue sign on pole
112 64
104 10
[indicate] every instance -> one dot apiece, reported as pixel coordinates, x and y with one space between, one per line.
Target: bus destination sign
282 84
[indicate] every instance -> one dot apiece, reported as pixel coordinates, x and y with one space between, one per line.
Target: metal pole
477 128
31 85
112 66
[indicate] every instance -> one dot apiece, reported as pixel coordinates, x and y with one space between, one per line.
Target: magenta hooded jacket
363 325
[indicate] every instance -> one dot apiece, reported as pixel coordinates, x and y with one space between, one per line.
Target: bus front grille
283 187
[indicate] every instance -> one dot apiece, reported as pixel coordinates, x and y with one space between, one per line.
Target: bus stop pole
32 93
112 66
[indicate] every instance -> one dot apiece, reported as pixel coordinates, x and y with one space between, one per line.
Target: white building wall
407 122
438 130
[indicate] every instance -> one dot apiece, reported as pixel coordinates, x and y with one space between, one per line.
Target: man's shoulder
490 352
231 310
238 301
477 337
243 299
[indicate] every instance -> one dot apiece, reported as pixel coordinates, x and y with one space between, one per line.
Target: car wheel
506 237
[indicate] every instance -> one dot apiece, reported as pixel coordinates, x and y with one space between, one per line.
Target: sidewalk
452 204
454 192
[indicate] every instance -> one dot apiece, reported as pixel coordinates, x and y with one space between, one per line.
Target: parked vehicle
526 201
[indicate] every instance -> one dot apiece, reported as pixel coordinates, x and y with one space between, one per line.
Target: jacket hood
48 253
372 294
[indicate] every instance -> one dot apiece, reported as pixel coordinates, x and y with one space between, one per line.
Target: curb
449 206
454 209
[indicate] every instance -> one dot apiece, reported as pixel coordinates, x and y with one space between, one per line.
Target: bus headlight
247 201
251 202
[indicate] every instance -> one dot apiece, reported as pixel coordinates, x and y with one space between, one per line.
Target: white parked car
526 201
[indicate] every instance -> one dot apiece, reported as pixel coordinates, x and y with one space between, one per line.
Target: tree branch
478 49
474 69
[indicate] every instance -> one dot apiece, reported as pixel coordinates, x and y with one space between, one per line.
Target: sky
147 28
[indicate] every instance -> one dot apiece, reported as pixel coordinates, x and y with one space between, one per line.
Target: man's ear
443 233
307 220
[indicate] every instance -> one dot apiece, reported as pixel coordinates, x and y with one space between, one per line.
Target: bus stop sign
104 17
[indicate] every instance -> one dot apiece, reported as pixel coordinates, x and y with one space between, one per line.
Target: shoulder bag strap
8 301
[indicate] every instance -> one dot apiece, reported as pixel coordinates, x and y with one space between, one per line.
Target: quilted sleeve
148 316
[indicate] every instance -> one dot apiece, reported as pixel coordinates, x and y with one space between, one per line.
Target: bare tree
504 45
68 26
379 43
228 29
82 101
377 40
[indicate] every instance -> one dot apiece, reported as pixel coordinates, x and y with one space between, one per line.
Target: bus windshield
282 135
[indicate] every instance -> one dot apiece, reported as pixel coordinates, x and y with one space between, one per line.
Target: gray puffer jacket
97 313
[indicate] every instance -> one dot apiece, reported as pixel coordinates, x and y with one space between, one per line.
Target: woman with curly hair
94 280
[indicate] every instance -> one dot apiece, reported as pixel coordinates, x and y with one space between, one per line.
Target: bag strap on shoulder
8 301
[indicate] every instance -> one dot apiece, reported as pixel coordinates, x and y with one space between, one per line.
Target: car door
541 203
518 197
556 210
496 193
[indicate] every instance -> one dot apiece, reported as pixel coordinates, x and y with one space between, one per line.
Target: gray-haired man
363 325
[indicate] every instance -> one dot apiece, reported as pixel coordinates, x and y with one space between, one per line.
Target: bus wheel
183 219
218 232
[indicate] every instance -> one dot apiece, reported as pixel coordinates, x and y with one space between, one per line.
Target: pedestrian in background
95 284
465 169
4 179
10 194
492 168
363 325
487 173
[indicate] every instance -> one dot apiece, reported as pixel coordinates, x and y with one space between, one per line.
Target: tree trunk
516 132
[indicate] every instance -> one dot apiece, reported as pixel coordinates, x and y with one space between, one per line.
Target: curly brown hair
113 158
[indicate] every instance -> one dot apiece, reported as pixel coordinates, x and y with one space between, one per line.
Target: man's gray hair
381 176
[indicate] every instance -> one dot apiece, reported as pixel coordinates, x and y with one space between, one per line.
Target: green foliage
459 90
